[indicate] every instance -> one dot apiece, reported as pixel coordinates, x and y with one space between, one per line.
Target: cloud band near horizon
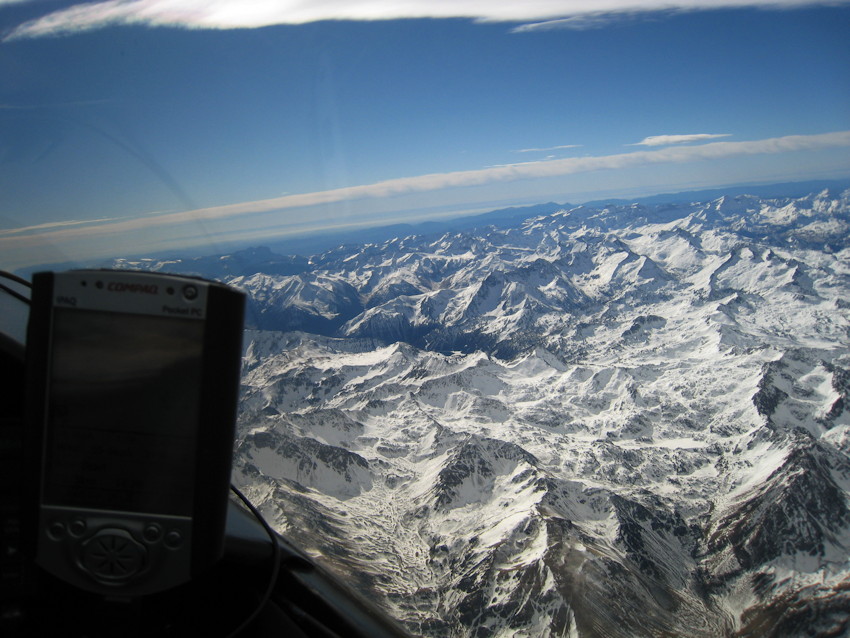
437 181
664 140
239 14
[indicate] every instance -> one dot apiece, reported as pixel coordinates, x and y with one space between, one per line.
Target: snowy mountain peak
618 420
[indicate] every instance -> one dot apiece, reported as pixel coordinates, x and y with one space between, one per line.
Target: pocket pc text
133 384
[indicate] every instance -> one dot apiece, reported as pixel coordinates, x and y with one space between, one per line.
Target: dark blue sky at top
129 121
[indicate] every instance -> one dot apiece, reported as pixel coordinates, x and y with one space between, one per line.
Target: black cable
18 280
275 562
14 293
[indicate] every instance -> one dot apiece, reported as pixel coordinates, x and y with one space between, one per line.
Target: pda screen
123 412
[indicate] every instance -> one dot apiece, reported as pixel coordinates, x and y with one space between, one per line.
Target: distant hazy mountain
612 420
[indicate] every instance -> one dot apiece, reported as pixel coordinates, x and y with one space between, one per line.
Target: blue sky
133 126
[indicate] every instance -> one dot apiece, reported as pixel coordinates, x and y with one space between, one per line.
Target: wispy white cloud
576 23
667 140
236 14
440 181
548 148
24 230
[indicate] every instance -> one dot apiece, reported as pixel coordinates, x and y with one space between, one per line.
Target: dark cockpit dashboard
262 586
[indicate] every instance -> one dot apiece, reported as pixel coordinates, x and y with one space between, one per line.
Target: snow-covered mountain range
626 420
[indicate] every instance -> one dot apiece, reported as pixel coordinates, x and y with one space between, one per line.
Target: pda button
173 539
78 527
112 556
152 533
56 531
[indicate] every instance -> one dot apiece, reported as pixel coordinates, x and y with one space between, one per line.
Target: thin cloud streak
440 181
238 14
51 225
666 140
576 23
548 148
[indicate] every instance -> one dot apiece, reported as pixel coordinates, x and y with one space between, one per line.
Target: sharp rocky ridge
625 420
